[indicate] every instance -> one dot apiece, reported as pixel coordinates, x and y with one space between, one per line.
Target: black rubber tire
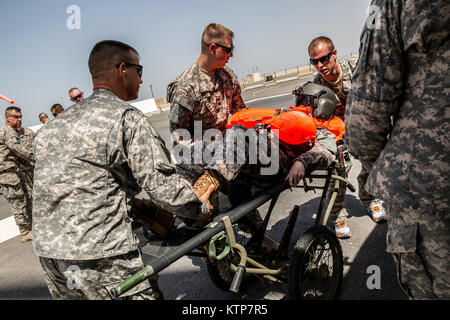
316 280
219 270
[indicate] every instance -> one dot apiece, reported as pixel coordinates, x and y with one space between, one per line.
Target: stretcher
234 246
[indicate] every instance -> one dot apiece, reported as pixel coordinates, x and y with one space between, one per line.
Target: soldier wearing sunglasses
76 95
207 91
332 73
56 109
91 162
337 76
16 170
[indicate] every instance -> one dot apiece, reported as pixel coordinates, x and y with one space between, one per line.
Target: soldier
332 73
16 169
76 95
402 73
43 117
91 161
336 75
206 92
56 109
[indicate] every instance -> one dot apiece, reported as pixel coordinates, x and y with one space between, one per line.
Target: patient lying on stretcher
239 162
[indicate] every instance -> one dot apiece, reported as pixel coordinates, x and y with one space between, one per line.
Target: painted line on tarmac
8 229
259 99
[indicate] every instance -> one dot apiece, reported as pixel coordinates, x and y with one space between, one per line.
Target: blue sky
41 58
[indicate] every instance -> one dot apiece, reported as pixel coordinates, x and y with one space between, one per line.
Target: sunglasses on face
138 67
76 97
16 117
321 59
228 50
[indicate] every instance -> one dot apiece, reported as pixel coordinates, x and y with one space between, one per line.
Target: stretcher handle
236 283
350 187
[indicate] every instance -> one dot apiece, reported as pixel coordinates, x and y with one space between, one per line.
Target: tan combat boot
25 234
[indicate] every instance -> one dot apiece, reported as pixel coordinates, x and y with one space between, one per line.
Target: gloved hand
205 196
205 187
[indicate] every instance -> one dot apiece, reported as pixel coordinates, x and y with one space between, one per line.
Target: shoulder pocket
185 103
162 156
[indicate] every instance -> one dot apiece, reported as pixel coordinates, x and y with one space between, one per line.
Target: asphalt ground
187 279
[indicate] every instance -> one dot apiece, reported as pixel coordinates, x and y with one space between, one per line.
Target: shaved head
322 39
106 54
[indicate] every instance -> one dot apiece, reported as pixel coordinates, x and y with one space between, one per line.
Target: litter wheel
316 266
220 271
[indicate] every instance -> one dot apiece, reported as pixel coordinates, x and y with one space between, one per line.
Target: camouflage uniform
341 88
91 161
402 73
91 279
16 172
196 97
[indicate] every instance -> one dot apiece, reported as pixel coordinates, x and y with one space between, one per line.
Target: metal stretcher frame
225 220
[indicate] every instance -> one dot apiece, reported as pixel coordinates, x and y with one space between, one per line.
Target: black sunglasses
321 59
138 67
76 97
229 50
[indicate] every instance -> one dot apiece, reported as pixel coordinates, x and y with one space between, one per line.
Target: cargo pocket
402 238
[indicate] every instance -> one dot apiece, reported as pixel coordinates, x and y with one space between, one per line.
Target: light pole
151 90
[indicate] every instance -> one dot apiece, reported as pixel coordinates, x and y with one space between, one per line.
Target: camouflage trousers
365 197
337 212
420 246
89 279
342 169
19 197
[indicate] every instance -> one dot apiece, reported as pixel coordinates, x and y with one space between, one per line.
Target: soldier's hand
207 194
296 173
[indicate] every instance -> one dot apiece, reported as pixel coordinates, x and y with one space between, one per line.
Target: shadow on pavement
31 291
358 279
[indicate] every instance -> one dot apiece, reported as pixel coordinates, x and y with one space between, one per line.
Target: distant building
146 106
